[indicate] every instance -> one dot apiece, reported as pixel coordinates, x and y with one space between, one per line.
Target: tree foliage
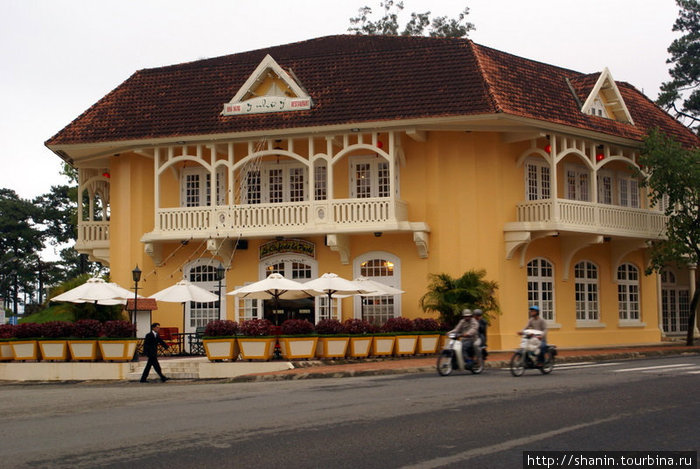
672 176
448 296
420 24
682 93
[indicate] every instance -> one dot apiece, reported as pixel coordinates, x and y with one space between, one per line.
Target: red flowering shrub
6 331
221 328
330 326
256 327
358 326
120 329
425 324
297 327
56 329
27 330
87 328
398 325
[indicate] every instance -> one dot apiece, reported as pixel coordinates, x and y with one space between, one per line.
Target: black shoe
143 381
164 378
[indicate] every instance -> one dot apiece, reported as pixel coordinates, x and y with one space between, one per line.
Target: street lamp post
136 276
220 272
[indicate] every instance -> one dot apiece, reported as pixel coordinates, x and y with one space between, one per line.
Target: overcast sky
59 57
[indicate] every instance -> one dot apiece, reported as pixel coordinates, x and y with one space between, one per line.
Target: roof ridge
484 77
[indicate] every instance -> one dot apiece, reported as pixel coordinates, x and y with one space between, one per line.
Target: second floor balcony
285 219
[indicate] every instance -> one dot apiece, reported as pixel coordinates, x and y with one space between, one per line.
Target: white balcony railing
293 217
589 216
91 232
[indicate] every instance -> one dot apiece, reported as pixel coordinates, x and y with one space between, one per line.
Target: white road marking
660 367
585 365
667 370
524 441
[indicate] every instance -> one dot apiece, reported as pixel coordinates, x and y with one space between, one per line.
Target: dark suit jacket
150 344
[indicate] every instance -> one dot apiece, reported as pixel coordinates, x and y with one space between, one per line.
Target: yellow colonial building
386 157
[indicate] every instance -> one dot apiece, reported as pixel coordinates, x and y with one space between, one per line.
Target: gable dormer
268 89
606 101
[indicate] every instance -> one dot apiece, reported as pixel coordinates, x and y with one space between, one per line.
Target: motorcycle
528 353
452 358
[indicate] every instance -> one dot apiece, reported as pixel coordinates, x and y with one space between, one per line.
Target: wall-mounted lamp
377 234
599 155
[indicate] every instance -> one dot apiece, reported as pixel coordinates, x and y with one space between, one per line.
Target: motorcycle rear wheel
444 363
548 364
517 364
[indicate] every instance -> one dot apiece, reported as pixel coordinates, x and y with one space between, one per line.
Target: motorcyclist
468 329
479 316
536 322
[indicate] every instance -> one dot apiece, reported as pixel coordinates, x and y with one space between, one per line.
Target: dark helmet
478 312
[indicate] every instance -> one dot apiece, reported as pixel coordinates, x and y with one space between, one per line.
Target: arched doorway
297 267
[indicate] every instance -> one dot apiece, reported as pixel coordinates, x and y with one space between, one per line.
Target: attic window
268 89
598 109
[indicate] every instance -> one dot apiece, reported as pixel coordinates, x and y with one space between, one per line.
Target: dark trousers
152 362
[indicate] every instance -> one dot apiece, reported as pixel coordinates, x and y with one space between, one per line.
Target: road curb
296 374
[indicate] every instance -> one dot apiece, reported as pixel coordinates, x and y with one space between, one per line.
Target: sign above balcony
296 246
268 89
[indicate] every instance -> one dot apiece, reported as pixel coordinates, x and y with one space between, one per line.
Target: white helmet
467 313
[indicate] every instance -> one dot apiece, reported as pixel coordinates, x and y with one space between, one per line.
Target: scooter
528 353
451 358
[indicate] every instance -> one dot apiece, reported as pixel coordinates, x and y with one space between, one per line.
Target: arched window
628 292
202 273
586 291
381 267
540 287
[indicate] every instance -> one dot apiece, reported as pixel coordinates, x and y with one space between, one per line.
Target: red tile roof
144 304
355 79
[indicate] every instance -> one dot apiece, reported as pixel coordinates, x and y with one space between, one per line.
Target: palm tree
448 296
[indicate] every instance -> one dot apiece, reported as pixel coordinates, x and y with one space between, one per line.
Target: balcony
339 216
588 217
93 240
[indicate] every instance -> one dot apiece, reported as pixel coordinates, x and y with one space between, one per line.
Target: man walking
150 348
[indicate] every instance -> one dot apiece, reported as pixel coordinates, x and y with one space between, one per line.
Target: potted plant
405 338
298 339
220 340
6 333
118 340
360 332
83 342
54 340
333 340
428 331
24 345
255 339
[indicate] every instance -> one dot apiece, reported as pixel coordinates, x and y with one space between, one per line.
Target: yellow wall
465 186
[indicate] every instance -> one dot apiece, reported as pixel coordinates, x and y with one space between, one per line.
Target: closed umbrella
184 292
275 287
331 284
96 290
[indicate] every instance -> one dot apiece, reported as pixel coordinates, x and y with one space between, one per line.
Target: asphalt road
414 420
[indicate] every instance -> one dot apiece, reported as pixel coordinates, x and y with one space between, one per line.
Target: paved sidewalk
387 366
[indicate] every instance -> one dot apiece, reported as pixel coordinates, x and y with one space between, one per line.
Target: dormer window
605 100
598 108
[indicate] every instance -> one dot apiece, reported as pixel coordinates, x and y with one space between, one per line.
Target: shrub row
263 327
82 329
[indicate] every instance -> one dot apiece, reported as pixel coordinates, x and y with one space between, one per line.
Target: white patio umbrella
184 292
330 284
275 287
378 289
96 290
